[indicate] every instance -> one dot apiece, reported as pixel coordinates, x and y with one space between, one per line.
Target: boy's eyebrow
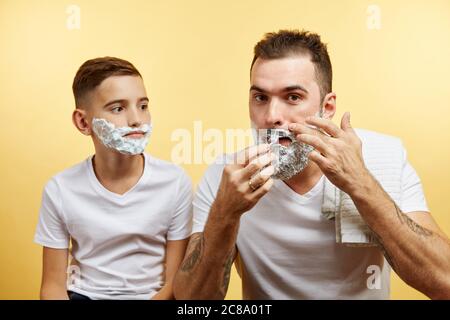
289 88
113 102
122 101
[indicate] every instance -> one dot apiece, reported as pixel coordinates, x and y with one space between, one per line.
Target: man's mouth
284 141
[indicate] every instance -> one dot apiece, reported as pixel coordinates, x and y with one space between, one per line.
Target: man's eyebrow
255 88
295 87
287 89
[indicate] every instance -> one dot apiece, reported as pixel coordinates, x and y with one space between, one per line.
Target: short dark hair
284 43
94 71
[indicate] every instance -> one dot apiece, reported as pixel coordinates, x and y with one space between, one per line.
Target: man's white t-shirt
288 250
118 241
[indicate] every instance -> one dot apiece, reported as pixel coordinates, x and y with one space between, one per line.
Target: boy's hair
284 43
94 71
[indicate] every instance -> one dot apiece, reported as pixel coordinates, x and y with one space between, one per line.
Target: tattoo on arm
415 227
411 224
227 270
384 252
195 251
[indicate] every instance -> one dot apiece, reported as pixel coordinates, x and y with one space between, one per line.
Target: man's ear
80 121
329 106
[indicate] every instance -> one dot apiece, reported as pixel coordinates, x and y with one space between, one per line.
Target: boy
127 214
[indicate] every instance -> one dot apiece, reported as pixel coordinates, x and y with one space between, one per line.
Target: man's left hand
338 151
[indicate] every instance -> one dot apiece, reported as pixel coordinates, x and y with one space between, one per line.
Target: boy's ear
79 119
329 106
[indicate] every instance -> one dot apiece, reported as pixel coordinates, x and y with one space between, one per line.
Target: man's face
283 91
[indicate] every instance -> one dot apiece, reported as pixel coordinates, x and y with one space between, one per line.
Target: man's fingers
315 141
261 177
243 157
298 128
345 122
256 164
262 190
326 125
319 159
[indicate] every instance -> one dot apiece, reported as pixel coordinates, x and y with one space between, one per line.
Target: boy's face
121 100
285 91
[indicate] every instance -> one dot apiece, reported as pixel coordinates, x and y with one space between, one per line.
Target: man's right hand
245 180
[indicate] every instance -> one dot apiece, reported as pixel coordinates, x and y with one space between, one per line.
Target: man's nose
274 116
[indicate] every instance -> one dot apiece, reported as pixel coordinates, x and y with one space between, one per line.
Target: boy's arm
54 274
175 251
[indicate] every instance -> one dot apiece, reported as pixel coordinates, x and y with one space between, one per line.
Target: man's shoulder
373 136
372 140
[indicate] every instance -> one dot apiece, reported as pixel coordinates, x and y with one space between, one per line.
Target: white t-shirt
118 241
288 250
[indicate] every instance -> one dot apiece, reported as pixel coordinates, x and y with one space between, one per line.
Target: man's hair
94 71
285 43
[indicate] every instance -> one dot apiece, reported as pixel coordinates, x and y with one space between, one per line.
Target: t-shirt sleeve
51 230
412 198
206 194
181 224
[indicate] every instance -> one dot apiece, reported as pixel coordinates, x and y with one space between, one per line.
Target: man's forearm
205 271
419 256
166 293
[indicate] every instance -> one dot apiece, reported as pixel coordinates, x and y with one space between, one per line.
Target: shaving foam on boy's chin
115 138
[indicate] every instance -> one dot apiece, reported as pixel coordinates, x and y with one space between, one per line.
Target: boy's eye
117 109
144 107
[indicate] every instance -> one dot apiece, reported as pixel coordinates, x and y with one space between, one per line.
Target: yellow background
195 56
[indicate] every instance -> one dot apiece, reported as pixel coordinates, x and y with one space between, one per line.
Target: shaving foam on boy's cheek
114 138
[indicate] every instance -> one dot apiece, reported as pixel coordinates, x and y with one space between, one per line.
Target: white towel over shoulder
383 156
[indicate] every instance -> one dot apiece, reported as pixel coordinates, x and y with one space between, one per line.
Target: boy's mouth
135 134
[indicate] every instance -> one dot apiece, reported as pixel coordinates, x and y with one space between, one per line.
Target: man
283 246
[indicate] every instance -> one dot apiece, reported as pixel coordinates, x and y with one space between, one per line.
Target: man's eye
116 109
144 107
294 98
260 97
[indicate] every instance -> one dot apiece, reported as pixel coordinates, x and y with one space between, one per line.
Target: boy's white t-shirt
118 241
288 250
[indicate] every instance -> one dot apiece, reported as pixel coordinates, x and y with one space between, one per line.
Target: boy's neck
118 172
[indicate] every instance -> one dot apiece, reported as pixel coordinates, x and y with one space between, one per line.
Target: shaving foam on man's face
291 156
122 139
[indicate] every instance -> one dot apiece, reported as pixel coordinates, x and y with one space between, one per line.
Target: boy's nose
134 119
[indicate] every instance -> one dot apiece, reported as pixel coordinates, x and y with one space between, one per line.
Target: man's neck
306 179
118 172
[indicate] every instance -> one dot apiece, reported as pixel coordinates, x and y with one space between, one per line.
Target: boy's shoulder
164 167
73 173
